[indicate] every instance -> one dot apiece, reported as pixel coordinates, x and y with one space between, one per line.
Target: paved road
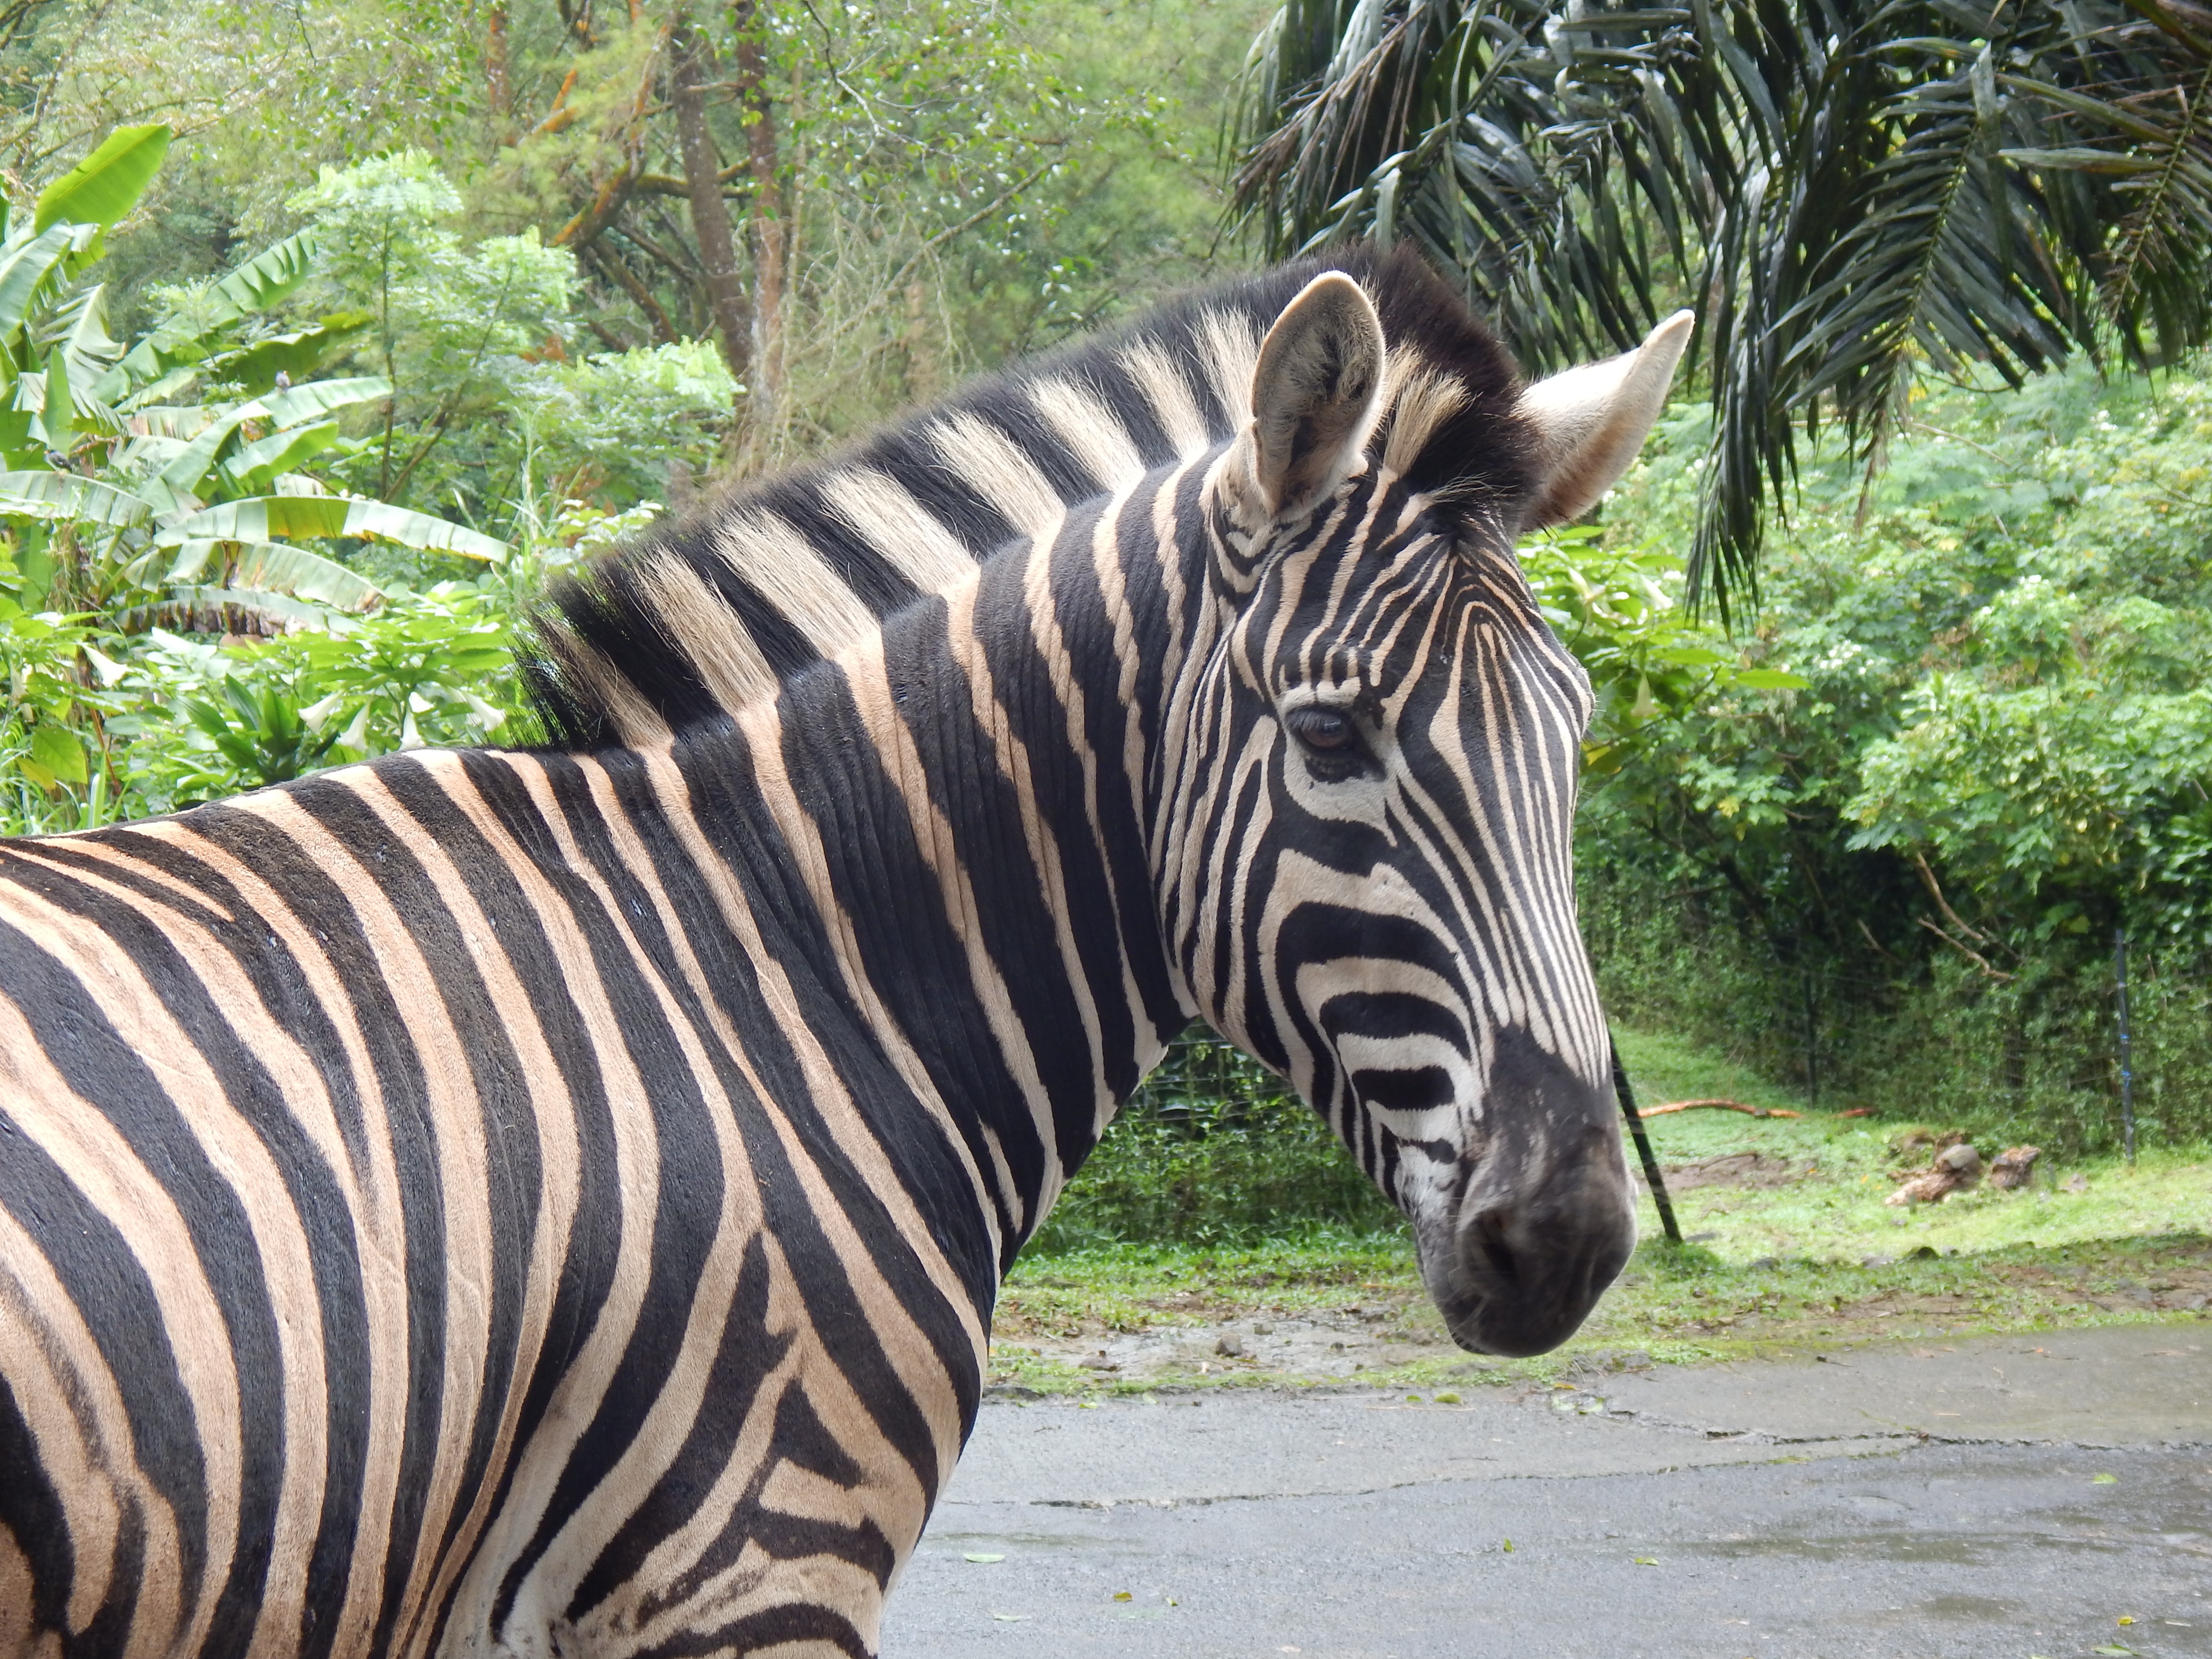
1908 1501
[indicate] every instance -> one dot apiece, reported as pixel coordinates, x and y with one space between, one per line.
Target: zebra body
550 1203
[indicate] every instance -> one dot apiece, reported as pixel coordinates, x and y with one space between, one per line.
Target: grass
1817 1260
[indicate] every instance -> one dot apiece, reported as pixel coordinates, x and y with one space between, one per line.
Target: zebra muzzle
1539 1238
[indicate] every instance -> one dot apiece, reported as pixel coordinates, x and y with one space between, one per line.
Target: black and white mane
908 509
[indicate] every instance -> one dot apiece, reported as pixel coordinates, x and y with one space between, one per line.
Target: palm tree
1849 191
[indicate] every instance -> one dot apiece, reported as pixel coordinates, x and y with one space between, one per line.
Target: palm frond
1846 190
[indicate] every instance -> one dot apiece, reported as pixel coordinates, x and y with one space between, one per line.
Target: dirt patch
1335 1344
1736 1170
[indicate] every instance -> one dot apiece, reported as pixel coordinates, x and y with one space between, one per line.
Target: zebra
548 1202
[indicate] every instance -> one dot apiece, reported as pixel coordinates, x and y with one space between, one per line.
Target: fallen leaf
2126 1620
2106 1480
1122 1595
1448 1400
2115 1648
1647 1560
982 1556
1010 1618
1508 1546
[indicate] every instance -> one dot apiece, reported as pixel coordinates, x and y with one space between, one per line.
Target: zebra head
1369 864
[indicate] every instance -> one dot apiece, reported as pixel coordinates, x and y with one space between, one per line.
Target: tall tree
710 215
1847 191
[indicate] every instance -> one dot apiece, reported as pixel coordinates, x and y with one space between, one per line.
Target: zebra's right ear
1315 393
1590 421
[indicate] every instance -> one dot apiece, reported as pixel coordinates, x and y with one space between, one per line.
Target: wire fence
2028 1053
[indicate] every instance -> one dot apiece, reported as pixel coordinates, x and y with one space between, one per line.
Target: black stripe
98 1269
32 1516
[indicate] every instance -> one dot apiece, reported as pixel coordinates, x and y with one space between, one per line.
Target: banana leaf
261 518
262 282
257 466
108 183
25 272
302 403
269 276
79 328
295 355
58 496
275 567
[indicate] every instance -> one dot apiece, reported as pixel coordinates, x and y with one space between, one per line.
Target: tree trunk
495 88
710 214
750 18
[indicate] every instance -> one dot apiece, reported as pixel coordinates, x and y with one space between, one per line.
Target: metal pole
1652 1178
1812 1041
2127 1072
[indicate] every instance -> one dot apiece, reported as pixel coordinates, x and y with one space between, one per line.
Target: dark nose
1548 1222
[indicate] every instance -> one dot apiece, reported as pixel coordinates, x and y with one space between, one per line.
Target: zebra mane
716 607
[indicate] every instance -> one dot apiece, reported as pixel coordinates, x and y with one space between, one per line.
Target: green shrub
1213 1151
1899 886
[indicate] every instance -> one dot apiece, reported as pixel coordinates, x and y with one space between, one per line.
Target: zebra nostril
1487 1239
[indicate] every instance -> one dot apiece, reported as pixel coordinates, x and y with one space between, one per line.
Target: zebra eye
1323 730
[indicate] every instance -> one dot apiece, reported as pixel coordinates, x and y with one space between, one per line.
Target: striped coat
550 1203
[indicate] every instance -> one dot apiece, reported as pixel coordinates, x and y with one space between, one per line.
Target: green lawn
1816 1260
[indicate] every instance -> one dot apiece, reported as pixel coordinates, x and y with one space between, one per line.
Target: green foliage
1213 1151
261 733
610 424
448 323
1618 606
2001 755
173 485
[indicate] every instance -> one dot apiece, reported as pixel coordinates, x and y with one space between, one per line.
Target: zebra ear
1315 392
1592 420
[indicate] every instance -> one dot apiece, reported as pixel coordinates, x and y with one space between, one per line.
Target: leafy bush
1213 1150
1902 882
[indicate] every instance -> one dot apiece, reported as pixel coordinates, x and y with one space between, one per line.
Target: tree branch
1975 957
607 201
610 265
1936 892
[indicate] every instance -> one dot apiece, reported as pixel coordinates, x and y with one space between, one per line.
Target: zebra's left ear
1592 420
1314 393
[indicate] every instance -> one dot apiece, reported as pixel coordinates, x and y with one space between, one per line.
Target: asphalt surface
2001 1497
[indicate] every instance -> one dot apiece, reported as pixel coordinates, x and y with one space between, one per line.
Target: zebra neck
958 799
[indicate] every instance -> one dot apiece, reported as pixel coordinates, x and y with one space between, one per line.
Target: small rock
1231 1345
1336 1347
2076 1182
1263 1329
2014 1167
1925 1253
1763 1262
1877 1262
